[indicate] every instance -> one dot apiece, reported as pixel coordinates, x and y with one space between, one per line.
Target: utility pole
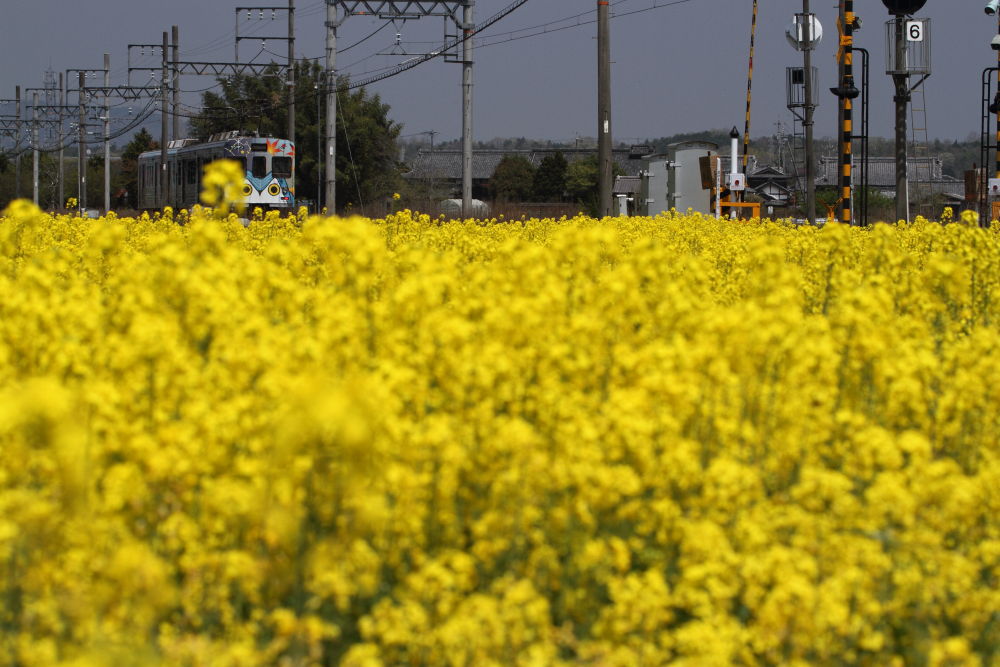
291 71
746 126
62 102
902 98
809 113
81 160
467 28
34 147
319 149
164 174
107 133
175 36
330 179
604 106
17 145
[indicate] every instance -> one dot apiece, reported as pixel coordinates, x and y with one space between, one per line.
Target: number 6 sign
914 31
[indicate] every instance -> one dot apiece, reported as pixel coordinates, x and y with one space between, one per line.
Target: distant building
774 186
626 193
924 174
443 168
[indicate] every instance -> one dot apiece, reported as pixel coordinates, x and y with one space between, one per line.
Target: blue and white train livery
269 164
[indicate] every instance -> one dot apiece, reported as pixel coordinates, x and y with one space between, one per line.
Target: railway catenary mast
460 12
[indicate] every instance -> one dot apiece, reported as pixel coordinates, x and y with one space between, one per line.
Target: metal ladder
919 143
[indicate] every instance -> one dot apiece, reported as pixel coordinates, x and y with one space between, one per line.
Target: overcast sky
680 67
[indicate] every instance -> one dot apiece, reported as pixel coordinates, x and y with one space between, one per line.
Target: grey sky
679 68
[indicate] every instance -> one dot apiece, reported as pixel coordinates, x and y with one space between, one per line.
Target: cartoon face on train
268 173
267 191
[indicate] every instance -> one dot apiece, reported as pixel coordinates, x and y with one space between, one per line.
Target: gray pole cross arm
230 69
389 9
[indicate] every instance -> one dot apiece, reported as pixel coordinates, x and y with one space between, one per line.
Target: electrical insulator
248 15
272 14
261 15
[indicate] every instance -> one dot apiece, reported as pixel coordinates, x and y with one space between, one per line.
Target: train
269 163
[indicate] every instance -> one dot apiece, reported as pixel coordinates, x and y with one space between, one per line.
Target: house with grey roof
924 174
443 168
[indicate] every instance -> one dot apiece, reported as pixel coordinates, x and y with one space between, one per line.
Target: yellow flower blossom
669 440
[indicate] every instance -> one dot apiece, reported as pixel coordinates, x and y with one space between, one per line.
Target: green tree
367 166
582 180
513 178
550 178
128 178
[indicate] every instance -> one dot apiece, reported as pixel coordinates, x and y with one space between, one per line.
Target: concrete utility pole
467 28
62 103
902 99
604 107
107 133
17 144
164 174
34 147
81 160
291 71
330 179
810 110
175 36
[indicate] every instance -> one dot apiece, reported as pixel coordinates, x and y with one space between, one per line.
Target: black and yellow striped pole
746 127
847 92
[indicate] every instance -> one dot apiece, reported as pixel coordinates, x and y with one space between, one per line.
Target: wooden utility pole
604 107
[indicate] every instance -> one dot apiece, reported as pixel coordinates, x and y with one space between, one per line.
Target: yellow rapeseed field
635 441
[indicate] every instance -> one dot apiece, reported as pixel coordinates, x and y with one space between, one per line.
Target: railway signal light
905 7
992 6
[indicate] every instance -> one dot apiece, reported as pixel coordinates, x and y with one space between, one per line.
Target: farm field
635 441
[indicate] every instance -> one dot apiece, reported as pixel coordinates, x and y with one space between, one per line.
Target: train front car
270 171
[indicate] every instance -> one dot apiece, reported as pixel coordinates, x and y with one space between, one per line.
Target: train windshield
259 168
281 167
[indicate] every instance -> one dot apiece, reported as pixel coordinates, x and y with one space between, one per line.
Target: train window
190 172
281 167
259 166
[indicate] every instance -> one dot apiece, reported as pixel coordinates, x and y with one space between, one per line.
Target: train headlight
247 190
274 189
